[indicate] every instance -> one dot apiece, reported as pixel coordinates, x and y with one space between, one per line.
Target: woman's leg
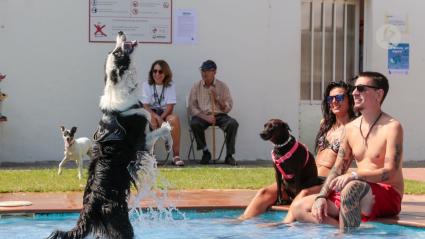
264 199
301 210
174 121
154 122
305 192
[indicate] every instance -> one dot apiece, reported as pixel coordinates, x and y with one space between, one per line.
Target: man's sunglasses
362 88
157 71
338 98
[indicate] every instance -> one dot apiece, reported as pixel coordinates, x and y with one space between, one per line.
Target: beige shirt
200 98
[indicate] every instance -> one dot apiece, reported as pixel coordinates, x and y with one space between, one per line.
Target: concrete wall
55 76
405 98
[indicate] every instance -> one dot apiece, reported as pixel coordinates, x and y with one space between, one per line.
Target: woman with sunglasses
159 98
337 109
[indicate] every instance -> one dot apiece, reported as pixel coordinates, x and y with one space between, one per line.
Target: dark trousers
225 122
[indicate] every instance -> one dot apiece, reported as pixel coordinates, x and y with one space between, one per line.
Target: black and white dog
118 142
294 164
75 149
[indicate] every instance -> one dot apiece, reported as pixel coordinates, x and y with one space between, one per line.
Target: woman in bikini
159 98
337 109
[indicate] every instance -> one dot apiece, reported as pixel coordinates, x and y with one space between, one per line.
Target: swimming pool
204 224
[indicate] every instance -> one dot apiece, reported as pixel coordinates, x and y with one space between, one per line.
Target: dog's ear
73 130
62 128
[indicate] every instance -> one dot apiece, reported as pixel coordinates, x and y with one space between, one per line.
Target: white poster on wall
398 20
185 27
147 21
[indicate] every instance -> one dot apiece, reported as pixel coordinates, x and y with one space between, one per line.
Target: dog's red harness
287 156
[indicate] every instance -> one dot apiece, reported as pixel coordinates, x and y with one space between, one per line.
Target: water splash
153 189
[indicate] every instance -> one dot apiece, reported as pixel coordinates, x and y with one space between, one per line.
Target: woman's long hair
329 118
168 75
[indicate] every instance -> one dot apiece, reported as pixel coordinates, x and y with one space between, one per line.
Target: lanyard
159 99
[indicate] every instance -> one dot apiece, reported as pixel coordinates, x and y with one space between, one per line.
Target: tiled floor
413 206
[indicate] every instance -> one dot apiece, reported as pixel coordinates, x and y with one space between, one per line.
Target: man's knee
231 126
233 123
354 190
195 124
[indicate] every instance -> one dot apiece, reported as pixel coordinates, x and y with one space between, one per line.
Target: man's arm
393 156
342 164
194 106
225 101
193 102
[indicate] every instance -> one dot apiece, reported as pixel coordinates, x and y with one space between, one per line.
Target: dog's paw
166 125
59 171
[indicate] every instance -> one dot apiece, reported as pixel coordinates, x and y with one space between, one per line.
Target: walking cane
213 126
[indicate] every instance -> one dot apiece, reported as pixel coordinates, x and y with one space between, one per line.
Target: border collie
119 141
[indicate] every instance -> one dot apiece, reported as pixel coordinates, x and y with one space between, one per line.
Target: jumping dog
119 142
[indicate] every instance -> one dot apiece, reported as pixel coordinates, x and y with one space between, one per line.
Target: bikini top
288 155
323 143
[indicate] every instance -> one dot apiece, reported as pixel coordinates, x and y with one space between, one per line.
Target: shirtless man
375 141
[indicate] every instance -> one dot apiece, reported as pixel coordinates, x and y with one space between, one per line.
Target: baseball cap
208 65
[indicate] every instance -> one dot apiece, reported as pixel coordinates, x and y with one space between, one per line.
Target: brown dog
294 165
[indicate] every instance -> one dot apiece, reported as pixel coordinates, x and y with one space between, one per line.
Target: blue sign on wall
398 58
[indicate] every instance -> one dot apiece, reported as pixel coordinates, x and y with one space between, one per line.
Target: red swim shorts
387 201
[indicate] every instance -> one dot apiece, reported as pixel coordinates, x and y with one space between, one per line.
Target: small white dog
75 149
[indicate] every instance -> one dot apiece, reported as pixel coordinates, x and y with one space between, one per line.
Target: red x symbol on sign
99 29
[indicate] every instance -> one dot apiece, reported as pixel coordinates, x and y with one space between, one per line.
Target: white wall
55 76
405 98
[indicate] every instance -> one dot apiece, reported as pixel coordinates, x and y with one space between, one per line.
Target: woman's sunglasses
157 71
362 88
338 98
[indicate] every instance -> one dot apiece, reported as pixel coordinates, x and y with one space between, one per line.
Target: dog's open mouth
129 47
123 47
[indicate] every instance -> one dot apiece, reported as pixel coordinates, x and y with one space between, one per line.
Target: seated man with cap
209 103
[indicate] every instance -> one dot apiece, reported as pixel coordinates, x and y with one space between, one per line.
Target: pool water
204 224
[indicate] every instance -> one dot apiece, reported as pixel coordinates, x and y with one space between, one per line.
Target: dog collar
285 156
278 161
285 143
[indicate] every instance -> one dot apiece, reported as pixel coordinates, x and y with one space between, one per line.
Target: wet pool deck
412 213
